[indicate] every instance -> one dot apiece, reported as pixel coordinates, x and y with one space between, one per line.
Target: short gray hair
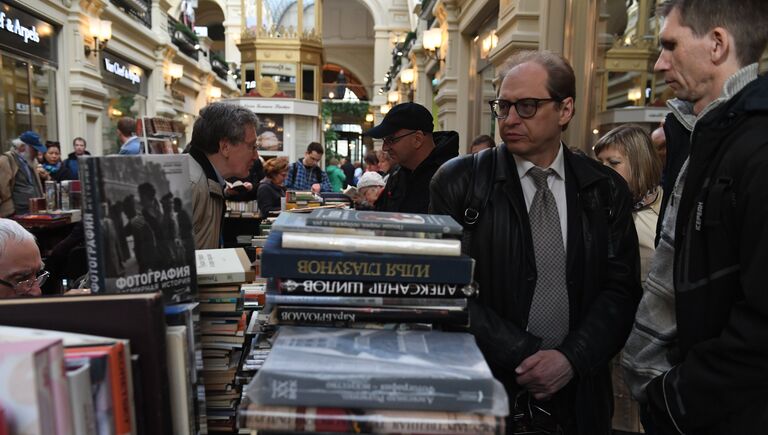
16 143
219 121
11 231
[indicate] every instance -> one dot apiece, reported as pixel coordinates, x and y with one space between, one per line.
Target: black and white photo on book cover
145 220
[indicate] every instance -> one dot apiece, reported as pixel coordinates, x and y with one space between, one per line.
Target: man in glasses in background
556 252
21 269
306 173
407 131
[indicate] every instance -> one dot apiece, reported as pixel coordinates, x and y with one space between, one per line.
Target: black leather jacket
602 272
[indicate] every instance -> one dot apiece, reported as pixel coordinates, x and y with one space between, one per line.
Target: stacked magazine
356 297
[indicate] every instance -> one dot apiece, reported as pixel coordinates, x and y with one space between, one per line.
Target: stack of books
341 267
220 275
113 351
340 380
382 282
242 209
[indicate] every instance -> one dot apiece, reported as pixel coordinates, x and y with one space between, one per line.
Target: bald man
21 269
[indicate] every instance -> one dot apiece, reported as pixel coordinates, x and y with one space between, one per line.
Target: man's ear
566 111
721 45
224 147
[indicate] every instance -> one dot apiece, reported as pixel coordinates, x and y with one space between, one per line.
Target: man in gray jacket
19 179
223 145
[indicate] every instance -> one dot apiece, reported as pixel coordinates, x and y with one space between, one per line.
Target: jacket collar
204 163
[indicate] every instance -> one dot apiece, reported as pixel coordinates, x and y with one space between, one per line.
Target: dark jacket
602 273
269 196
678 148
73 168
408 191
349 174
721 254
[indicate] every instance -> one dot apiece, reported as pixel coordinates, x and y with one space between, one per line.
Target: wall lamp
101 31
384 109
175 73
214 93
407 76
432 39
393 97
488 44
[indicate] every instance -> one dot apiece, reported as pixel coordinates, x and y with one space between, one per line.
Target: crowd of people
650 252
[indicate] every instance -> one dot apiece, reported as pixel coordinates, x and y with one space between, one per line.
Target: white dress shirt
556 184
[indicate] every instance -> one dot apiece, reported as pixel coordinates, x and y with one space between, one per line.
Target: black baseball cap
409 116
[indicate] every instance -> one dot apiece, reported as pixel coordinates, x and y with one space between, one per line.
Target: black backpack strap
478 192
478 189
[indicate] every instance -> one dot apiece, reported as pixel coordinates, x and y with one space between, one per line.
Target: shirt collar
219 178
558 165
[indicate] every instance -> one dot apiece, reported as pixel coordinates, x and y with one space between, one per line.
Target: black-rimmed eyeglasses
526 107
391 140
26 286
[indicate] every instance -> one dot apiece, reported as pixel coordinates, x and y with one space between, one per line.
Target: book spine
454 395
391 226
361 301
388 245
345 420
305 314
404 290
319 265
94 242
222 278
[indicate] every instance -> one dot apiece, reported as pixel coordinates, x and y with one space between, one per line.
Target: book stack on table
341 267
221 273
383 282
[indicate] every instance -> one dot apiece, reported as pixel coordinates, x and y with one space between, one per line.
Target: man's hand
544 373
316 187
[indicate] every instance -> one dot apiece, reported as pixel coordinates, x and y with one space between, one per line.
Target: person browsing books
271 190
223 145
409 139
555 249
306 173
21 269
369 189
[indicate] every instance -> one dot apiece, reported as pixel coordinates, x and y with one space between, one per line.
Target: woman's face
279 178
53 155
371 194
616 160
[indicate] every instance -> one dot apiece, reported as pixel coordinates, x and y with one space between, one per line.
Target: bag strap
478 190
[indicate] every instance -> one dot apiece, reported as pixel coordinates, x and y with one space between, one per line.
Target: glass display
27 101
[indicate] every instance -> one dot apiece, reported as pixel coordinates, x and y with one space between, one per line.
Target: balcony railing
184 38
219 66
136 9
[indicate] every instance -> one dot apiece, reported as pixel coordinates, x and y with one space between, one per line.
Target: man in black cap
411 143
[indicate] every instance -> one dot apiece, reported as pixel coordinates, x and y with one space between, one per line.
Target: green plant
216 57
186 31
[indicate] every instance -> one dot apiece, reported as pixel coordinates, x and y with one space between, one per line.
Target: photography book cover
137 216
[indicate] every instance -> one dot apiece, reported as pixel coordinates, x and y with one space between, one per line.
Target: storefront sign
26 34
118 72
277 69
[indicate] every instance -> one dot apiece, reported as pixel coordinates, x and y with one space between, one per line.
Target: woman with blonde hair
272 188
628 150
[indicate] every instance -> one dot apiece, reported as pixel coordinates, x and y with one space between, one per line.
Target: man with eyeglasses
21 269
556 254
223 145
306 173
409 139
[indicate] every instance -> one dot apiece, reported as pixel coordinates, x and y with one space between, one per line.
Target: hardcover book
366 421
379 220
136 214
223 266
377 369
297 222
279 262
329 315
374 244
362 301
309 287
138 318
